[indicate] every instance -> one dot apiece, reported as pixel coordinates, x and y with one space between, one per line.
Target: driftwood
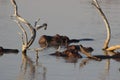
108 57
26 43
111 48
95 3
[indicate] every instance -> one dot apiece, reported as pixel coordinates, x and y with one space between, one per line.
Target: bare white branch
112 48
43 26
15 7
95 3
26 42
25 38
36 22
21 35
87 53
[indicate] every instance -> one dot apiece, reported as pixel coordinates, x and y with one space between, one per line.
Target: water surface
73 18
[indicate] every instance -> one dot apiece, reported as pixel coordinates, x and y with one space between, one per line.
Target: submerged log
73 52
6 51
116 56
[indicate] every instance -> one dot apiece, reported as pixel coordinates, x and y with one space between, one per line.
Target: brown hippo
77 47
55 41
73 51
67 53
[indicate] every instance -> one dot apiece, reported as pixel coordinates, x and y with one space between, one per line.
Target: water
73 18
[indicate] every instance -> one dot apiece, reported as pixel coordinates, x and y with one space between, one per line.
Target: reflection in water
30 71
108 60
34 70
84 62
71 60
105 74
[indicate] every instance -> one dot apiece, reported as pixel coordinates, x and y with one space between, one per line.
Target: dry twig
95 3
26 43
111 48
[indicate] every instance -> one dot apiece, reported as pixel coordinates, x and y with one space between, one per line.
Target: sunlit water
73 18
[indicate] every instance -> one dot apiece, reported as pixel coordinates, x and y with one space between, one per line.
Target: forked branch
26 42
95 3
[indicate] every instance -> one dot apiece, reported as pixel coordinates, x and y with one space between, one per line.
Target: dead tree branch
88 54
26 42
95 3
24 36
111 48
